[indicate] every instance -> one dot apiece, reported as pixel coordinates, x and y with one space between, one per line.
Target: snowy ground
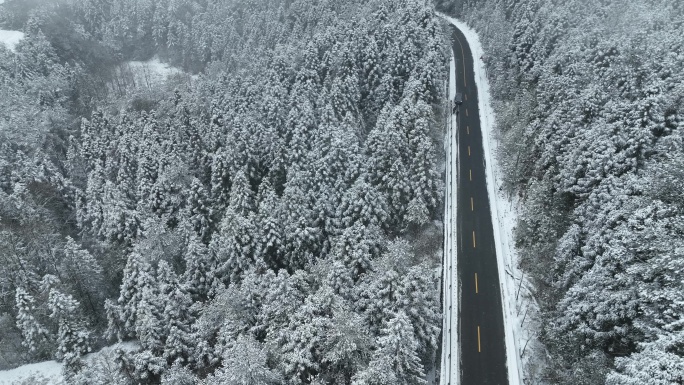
141 76
50 372
10 38
519 307
153 70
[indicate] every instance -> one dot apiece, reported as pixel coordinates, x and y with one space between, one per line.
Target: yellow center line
472 207
479 348
468 150
463 56
474 239
477 291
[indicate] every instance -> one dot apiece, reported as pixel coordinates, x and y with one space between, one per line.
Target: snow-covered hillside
278 202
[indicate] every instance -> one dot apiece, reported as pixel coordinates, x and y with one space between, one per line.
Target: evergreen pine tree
245 362
397 351
137 277
35 335
200 269
270 242
73 337
84 275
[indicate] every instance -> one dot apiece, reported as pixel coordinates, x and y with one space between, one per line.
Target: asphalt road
482 351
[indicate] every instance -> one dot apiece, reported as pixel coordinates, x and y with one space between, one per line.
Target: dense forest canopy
590 102
265 218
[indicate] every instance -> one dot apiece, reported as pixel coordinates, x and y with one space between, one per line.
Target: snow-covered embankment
450 346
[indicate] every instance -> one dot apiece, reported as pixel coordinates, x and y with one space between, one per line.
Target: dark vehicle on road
458 99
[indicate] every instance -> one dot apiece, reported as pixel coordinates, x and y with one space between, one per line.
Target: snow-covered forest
590 109
267 214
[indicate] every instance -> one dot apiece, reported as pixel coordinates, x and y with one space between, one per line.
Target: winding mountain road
476 353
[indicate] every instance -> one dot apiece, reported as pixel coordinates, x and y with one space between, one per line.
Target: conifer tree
35 335
177 316
305 336
137 277
270 242
396 355
245 362
658 363
200 210
419 300
364 204
84 274
357 246
200 269
234 244
73 337
150 328
347 347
